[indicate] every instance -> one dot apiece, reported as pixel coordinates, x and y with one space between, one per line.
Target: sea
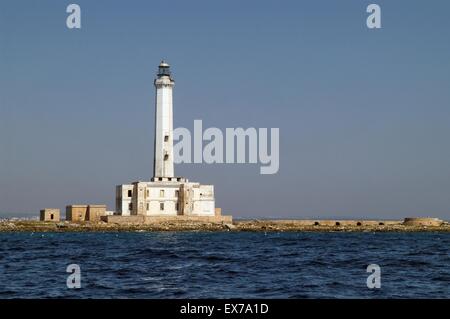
224 265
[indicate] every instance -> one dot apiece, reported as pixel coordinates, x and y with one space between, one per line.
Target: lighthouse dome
164 69
164 64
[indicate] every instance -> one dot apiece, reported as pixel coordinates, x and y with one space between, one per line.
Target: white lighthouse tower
165 195
163 152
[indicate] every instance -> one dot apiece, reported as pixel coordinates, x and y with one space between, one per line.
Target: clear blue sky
364 115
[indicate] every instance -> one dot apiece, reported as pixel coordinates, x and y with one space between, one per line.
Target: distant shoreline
236 226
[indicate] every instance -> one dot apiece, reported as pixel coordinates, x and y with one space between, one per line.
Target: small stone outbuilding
50 215
79 213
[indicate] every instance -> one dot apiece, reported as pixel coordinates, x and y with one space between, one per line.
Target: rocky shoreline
236 226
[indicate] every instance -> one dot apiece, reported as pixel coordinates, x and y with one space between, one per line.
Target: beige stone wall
139 196
191 218
79 213
159 219
95 212
118 219
186 194
422 221
50 214
336 222
76 213
123 200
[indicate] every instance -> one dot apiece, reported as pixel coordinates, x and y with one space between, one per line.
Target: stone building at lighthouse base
166 199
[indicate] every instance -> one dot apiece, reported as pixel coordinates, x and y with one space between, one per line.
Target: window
161 193
166 157
177 193
130 192
177 206
148 206
51 216
130 206
161 206
148 193
166 138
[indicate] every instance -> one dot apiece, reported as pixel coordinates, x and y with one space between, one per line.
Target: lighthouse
163 146
165 195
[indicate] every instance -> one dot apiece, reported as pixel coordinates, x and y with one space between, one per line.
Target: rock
230 226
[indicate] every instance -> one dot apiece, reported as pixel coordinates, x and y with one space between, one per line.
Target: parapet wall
336 222
140 219
422 221
124 220
354 224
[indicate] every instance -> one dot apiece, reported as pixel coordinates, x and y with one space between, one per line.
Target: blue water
225 265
